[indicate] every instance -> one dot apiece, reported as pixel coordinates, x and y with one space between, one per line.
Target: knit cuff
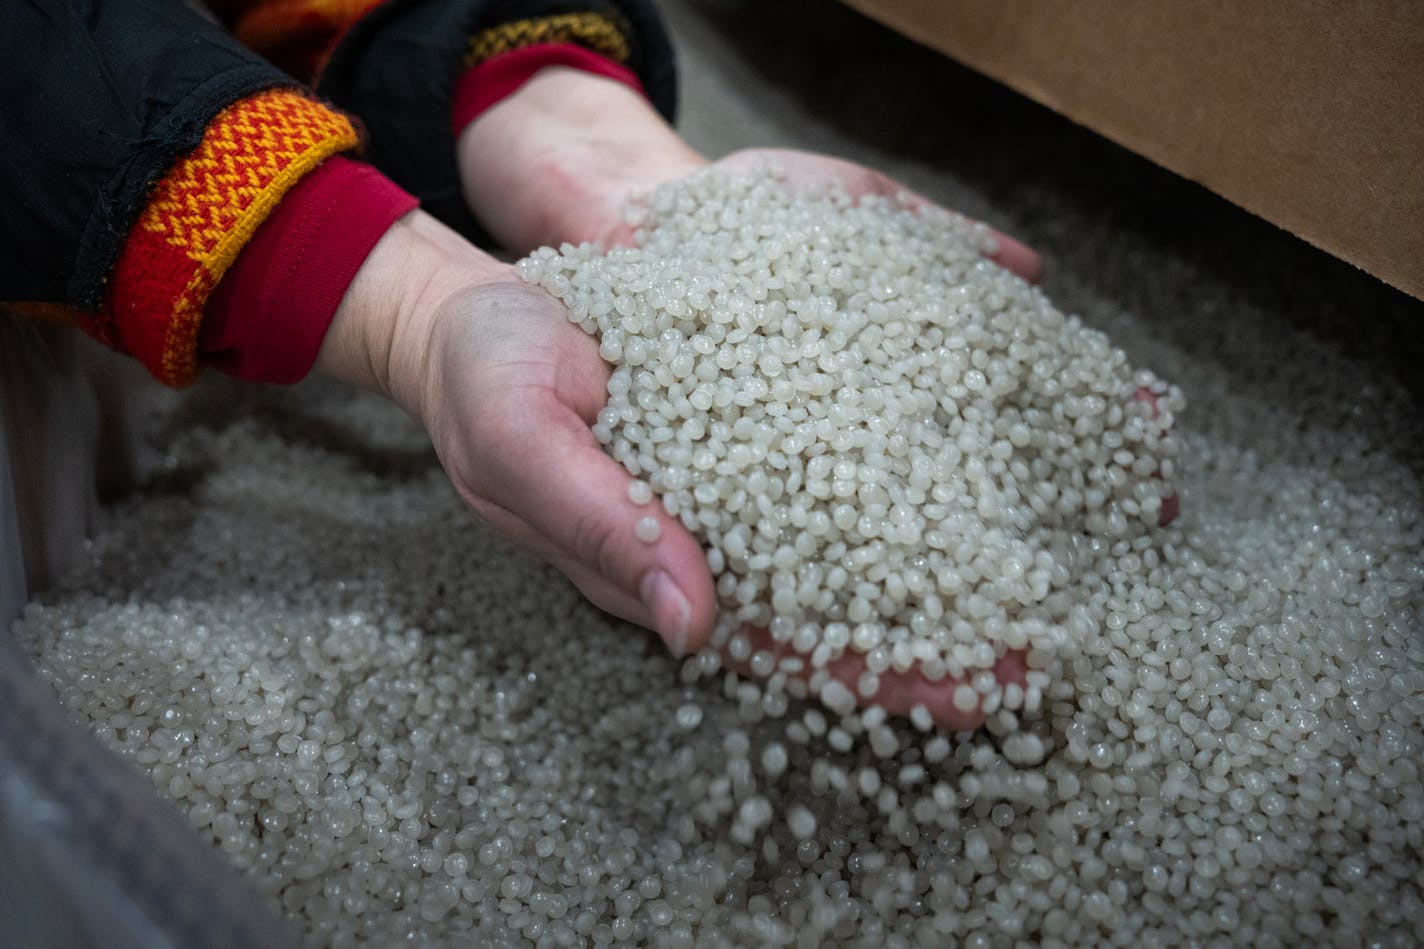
602 30
483 85
266 320
200 216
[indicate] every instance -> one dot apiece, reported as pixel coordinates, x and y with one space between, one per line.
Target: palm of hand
519 387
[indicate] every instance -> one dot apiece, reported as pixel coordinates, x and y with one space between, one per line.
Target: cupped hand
508 388
512 391
559 159
802 169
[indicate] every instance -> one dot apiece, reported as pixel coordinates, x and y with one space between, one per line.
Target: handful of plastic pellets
887 444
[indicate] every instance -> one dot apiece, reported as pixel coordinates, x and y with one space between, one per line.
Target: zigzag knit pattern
201 215
603 33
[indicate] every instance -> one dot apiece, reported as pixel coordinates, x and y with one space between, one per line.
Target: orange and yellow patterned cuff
202 214
604 33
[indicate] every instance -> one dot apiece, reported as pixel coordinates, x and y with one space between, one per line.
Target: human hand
899 692
558 160
507 387
807 169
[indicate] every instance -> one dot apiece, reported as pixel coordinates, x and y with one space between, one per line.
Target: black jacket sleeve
398 66
100 98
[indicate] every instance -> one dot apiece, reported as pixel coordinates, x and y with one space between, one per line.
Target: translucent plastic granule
402 733
887 444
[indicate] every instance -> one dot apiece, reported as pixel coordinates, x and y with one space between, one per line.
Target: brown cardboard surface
1309 114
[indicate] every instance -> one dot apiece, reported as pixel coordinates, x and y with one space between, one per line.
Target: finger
574 499
594 587
944 699
1171 504
803 169
1009 253
953 704
1017 256
900 692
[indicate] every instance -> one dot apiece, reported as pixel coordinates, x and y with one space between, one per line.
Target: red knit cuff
488 82
201 215
266 320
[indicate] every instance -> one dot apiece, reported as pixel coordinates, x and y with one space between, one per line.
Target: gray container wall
89 855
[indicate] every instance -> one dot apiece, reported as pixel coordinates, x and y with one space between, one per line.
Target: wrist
382 333
557 159
267 318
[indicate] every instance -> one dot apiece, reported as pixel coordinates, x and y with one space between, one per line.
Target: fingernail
672 614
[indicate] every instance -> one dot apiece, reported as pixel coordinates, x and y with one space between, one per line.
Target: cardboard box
1308 114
